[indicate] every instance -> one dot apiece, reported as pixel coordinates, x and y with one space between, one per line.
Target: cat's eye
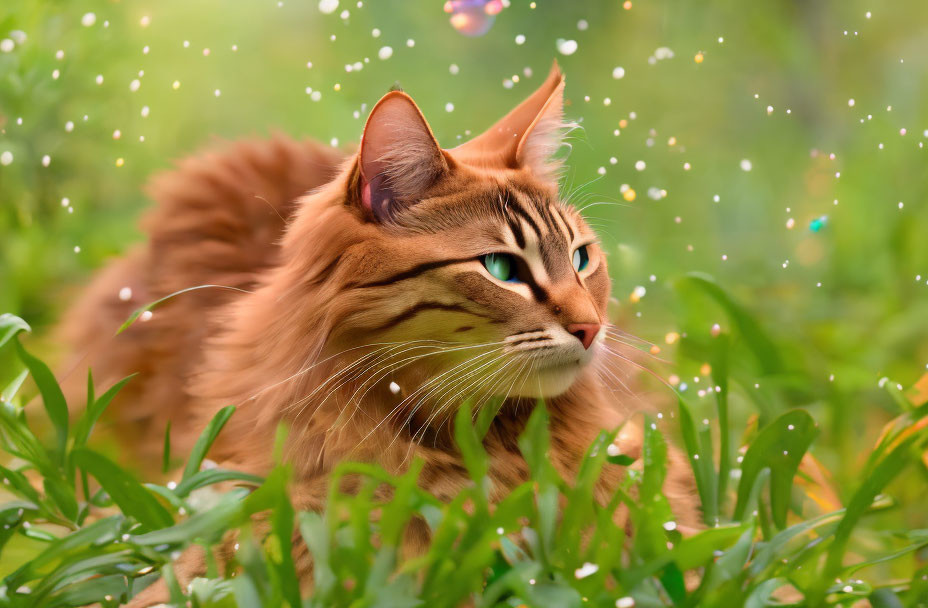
581 258
501 265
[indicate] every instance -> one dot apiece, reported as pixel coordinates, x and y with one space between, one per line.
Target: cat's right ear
399 158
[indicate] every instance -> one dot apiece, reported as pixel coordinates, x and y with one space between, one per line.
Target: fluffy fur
336 303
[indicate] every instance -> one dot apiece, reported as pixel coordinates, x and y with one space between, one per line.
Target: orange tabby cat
409 278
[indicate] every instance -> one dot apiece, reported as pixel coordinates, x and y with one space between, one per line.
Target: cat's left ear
529 136
399 158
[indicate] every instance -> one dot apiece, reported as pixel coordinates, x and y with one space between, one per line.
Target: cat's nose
585 332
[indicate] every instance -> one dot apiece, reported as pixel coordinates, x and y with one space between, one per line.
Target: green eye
581 258
500 265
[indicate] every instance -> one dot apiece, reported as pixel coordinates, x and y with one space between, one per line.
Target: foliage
547 543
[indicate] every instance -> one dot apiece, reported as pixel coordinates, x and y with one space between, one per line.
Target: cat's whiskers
440 384
443 403
370 358
619 355
377 375
317 362
511 377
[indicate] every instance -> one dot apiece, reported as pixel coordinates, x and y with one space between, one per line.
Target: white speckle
125 294
663 53
507 83
586 570
145 111
410 43
134 85
847 589
625 602
746 165
769 109
613 450
640 291
385 52
454 69
333 142
716 198
146 316
582 25
520 39
670 526
77 249
375 32
851 102
6 158
99 79
640 165
790 427
327 7
500 531
315 95
88 19
46 160
145 49
217 92
449 107
7 45
566 47
394 388
618 72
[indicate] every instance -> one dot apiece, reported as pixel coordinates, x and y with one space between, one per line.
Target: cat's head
472 274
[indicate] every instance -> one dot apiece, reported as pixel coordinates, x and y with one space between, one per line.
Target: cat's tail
217 221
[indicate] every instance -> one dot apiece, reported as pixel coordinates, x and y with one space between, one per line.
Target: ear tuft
399 158
529 136
544 137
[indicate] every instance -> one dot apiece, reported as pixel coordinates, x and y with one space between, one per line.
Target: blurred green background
777 146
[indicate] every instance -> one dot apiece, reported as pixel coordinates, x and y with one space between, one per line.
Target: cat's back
217 220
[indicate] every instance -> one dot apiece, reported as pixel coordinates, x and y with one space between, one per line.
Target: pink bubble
473 17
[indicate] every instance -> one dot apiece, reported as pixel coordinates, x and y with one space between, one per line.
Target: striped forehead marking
542 232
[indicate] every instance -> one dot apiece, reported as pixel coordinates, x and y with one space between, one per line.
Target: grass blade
206 439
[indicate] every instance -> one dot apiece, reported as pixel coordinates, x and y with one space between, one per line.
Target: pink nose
585 332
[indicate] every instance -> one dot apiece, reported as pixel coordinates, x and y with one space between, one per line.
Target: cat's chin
548 382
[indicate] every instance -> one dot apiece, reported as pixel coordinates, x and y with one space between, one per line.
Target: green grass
764 543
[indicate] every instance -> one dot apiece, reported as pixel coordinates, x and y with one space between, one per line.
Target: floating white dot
327 7
566 47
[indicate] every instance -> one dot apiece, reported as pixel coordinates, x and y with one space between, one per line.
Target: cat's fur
372 278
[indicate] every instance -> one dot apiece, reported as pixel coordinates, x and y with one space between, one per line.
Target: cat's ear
530 135
399 157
